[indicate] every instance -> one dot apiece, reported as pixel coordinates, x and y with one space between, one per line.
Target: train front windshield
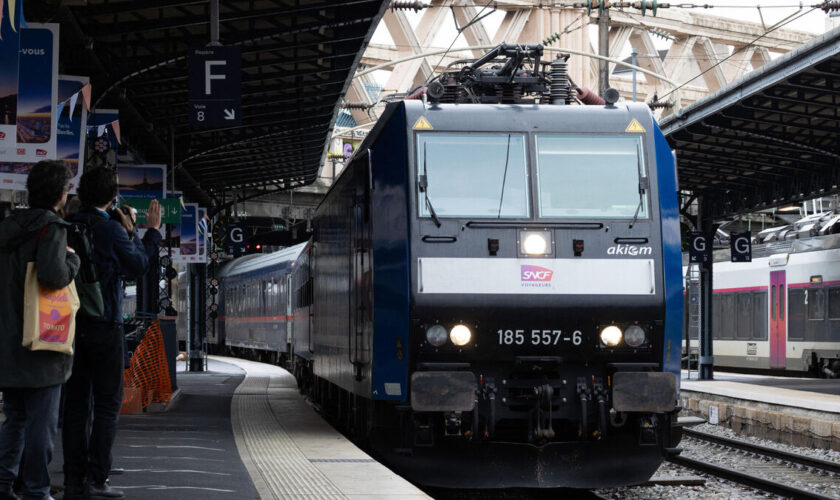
487 176
473 175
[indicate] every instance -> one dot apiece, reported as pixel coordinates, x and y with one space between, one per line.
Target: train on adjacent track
779 313
492 295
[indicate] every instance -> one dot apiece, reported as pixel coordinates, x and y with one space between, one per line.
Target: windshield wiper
504 179
643 183
424 188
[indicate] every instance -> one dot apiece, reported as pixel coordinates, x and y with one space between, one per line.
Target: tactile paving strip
276 465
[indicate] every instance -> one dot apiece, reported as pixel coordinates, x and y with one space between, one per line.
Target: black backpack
80 239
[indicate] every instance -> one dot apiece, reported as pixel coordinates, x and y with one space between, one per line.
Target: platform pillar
196 323
706 359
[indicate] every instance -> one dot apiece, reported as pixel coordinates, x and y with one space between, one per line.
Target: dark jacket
116 257
19 234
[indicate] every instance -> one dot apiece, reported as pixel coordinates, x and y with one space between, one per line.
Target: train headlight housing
535 242
460 335
436 335
611 335
634 336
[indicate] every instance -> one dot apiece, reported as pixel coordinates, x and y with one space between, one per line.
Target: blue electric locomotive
496 285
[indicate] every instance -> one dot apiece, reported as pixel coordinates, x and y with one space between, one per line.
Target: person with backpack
31 380
96 383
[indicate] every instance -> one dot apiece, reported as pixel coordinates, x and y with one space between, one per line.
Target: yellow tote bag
49 316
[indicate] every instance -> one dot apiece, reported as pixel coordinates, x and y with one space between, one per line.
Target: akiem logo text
535 276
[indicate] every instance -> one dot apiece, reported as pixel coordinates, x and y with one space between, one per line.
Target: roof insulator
355 105
409 5
831 6
660 105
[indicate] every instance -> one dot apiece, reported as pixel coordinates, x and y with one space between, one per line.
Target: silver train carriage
781 312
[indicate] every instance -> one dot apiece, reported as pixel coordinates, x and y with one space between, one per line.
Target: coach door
778 329
361 287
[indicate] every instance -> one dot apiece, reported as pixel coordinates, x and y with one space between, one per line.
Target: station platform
798 411
241 430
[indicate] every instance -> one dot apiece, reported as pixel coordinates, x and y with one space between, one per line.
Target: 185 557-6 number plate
537 337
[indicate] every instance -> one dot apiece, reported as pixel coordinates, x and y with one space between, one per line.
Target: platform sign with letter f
700 248
214 83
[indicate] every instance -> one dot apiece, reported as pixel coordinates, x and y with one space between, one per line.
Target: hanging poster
70 137
102 138
9 55
203 223
37 125
189 233
142 181
71 127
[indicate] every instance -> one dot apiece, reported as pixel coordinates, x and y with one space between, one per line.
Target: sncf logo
40 152
536 273
2 135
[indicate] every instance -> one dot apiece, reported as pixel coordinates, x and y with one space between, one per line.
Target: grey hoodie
19 235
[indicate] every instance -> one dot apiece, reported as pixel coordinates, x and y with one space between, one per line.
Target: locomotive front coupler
542 414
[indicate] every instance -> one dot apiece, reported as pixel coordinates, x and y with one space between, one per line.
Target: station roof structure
767 139
298 57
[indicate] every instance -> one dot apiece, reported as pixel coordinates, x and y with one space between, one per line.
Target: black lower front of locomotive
574 427
609 462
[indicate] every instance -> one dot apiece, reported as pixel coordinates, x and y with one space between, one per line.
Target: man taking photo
96 382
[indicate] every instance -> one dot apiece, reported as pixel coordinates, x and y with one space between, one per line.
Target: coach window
834 303
816 304
759 310
796 314
591 177
744 318
472 175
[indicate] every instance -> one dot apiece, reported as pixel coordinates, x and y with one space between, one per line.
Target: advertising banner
142 181
36 126
174 228
203 225
28 118
9 56
71 127
189 234
69 141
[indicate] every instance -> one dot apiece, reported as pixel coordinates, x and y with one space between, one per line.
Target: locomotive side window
591 177
472 175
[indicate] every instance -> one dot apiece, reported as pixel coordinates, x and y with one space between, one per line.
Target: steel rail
737 444
749 480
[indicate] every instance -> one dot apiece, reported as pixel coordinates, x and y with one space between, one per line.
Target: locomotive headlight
534 243
634 336
436 335
460 335
611 335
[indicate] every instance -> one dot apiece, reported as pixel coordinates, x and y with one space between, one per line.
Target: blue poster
35 87
9 54
189 233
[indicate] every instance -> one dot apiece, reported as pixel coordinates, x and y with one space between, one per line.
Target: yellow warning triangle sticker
422 124
635 126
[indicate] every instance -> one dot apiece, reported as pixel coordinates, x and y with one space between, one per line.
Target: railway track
770 470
